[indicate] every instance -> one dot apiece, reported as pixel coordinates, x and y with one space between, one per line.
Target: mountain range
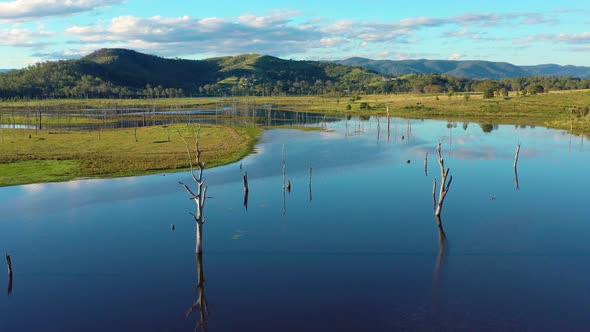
473 69
109 73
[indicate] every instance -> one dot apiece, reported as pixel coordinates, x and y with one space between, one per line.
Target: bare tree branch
444 185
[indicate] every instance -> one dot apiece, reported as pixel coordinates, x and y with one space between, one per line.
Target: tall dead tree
201 194
444 185
516 153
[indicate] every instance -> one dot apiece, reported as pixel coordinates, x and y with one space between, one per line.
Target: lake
358 251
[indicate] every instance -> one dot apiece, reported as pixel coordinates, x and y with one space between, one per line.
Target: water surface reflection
95 255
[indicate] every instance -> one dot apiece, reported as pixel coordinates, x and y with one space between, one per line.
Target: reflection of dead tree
426 164
444 186
9 265
441 245
201 303
439 262
246 190
388 124
378 128
515 164
201 194
284 184
310 183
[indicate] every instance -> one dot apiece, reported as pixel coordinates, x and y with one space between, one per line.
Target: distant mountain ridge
4 70
473 69
109 72
123 73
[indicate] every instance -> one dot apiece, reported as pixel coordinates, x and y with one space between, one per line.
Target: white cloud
277 32
22 10
575 38
273 18
569 38
185 35
456 56
22 38
65 54
462 32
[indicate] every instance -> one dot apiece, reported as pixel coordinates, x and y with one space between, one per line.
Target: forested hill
112 72
121 73
467 69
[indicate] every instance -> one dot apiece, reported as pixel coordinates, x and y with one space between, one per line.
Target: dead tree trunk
388 124
444 185
201 194
516 153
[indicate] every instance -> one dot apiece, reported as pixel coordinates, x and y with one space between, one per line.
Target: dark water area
360 251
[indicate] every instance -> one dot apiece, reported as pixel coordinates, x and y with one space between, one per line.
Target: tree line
62 79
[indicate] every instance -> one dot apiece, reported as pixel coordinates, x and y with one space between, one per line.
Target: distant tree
535 88
488 88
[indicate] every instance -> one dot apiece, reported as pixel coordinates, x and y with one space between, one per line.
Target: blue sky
519 32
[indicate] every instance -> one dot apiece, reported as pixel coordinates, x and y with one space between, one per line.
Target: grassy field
111 103
552 109
60 156
63 155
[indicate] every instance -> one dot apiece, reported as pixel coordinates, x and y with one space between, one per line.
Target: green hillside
121 72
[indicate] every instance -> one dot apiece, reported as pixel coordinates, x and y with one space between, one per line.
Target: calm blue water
362 255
